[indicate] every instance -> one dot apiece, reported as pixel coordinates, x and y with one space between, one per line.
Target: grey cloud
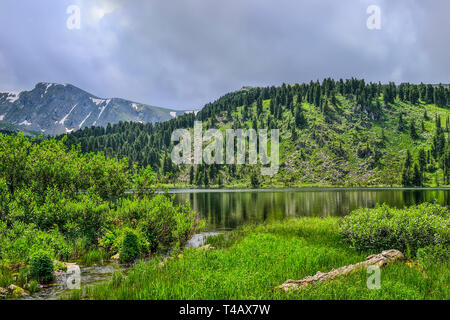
184 53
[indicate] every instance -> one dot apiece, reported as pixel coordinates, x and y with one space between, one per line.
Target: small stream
91 275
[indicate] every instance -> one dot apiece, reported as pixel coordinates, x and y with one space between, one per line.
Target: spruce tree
417 176
401 123
300 120
412 130
191 175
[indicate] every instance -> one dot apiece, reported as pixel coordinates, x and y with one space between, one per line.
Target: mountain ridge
54 108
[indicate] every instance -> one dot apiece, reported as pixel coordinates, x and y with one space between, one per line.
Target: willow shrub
159 220
431 256
41 267
19 241
405 229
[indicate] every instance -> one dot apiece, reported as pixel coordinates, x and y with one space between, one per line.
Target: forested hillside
340 133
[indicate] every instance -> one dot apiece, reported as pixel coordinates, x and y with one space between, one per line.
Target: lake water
228 209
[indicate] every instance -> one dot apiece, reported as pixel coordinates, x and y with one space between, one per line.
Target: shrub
19 241
32 286
87 218
405 229
432 255
111 241
161 222
41 267
130 249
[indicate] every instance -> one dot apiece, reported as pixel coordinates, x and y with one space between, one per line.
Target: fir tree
412 130
417 176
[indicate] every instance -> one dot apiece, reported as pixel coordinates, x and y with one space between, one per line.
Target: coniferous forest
332 133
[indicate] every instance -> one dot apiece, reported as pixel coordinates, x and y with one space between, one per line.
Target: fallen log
381 259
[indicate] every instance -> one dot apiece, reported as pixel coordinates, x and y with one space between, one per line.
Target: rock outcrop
16 292
381 259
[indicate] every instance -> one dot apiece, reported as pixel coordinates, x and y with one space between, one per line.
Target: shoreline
176 190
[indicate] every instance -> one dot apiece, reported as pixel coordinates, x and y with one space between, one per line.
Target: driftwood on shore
381 259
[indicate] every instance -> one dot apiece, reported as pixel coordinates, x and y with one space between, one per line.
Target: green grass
249 262
93 256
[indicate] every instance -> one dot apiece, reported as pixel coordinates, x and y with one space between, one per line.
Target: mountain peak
55 108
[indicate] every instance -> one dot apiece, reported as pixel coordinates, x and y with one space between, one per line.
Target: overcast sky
185 53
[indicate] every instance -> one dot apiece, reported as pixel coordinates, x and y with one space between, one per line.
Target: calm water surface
227 209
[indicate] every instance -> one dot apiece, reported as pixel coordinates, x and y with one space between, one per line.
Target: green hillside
334 133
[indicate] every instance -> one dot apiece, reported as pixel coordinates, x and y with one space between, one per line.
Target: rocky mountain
53 109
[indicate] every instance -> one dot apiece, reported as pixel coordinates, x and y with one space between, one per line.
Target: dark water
224 210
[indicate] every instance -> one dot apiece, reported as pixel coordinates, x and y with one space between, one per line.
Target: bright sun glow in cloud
100 9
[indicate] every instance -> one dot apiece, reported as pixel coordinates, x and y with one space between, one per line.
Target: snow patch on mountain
13 96
25 123
48 86
84 120
2 116
65 117
173 114
97 101
103 108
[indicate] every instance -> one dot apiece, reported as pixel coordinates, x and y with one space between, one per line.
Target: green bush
162 223
65 203
87 218
111 241
130 249
19 241
41 267
432 255
405 229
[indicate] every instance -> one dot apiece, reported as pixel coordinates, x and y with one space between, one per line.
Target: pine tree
401 123
412 130
254 180
406 173
422 160
259 106
219 181
408 160
417 176
413 95
300 120
191 175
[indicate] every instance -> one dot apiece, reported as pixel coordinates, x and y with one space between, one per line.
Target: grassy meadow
250 262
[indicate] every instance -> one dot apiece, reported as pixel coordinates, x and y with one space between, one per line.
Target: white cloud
99 9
